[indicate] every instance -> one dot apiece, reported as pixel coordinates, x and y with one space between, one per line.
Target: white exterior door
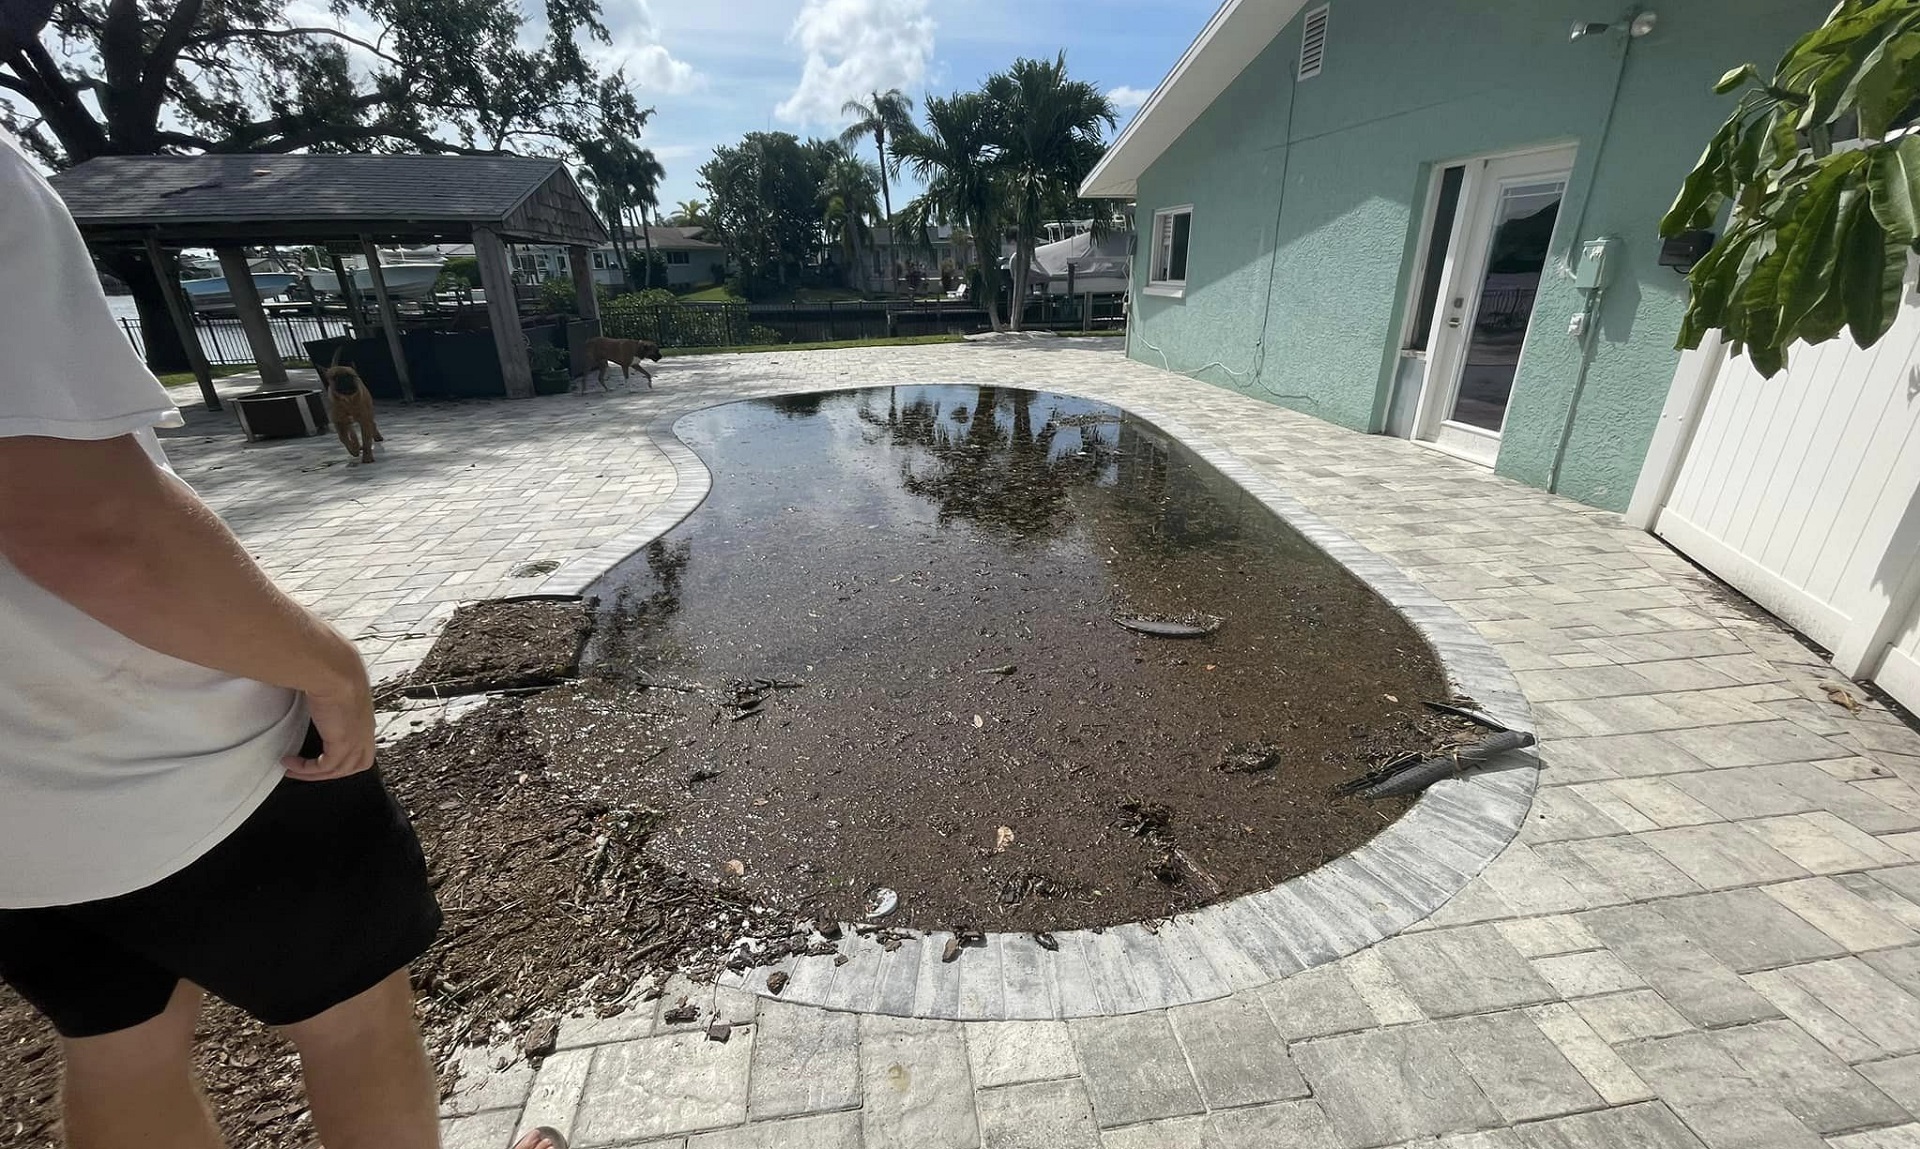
1502 233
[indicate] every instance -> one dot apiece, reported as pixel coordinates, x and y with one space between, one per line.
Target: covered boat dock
163 204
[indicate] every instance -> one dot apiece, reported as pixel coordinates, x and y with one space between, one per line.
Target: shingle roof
669 238
172 192
217 188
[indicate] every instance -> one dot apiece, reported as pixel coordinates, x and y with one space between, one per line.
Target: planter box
288 414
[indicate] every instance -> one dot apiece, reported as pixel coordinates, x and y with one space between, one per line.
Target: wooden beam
253 317
389 318
503 313
580 260
349 295
169 278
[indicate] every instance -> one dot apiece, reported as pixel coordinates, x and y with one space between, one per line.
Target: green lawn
902 341
186 379
712 295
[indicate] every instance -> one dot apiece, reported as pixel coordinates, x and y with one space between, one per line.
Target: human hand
344 719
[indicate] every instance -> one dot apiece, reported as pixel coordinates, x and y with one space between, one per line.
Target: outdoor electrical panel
1596 257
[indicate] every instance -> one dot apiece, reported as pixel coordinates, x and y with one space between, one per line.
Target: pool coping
1397 878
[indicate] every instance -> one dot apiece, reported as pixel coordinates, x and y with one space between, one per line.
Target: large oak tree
151 77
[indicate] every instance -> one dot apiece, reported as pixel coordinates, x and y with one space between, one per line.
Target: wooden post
389 318
503 313
587 298
183 321
349 295
253 317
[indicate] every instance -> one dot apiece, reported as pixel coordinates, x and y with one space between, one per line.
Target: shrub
949 275
460 271
556 297
763 336
549 368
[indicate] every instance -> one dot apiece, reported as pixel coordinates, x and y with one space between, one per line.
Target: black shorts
318 896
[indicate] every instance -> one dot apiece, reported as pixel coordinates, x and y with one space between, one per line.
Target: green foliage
956 156
637 269
949 275
549 365
1013 154
849 198
1817 239
459 271
161 76
556 297
763 203
763 336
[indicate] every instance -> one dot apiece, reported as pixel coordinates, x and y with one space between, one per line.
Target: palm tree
847 203
888 114
643 175
689 213
958 157
1051 138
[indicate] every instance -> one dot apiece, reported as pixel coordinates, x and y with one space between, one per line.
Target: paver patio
1706 933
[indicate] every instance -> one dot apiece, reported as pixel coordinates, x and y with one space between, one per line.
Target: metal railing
225 343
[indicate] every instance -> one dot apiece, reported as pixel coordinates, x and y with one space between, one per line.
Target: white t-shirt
119 765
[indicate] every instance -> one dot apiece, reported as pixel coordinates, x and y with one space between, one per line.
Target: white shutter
1313 42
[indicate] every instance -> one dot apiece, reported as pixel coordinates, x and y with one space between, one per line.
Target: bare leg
135 1087
367 1073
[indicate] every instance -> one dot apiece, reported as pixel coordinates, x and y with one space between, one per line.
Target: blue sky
716 69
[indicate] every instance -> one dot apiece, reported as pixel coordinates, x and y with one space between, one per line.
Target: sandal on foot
531 1138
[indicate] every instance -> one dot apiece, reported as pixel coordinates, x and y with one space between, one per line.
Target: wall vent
1313 42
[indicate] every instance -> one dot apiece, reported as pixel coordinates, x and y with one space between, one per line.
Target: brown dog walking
602 350
350 406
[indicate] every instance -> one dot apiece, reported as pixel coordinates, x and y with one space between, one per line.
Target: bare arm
99 525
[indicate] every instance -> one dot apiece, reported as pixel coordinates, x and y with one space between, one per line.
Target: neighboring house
878 261
1385 213
691 258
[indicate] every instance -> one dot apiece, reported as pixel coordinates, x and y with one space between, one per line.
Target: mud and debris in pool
883 654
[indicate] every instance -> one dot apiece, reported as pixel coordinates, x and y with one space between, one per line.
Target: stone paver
918 1090
1392 1085
1713 845
1136 1070
1038 1115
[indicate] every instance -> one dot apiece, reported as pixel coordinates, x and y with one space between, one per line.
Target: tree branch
287 33
159 67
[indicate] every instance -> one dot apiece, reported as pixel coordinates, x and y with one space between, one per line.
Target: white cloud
1126 99
856 47
637 47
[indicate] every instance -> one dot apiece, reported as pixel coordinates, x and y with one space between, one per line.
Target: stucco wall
1306 199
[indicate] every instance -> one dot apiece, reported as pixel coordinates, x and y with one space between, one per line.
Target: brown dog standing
351 408
601 351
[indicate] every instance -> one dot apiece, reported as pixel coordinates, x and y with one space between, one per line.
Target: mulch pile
508 644
551 908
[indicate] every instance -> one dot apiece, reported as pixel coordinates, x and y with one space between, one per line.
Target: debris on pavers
541 1039
683 1014
1840 696
720 1030
500 646
776 981
962 939
1046 941
1410 774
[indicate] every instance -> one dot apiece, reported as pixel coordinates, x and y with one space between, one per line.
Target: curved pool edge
1396 879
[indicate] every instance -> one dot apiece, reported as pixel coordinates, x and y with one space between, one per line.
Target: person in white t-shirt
187 793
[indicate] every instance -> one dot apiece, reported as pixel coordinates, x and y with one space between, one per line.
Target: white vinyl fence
1803 491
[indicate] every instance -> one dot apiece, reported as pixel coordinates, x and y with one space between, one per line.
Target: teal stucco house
1436 218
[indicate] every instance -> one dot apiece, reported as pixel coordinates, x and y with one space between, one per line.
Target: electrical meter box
1597 256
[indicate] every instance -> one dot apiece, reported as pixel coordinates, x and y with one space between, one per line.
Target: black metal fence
741 324
703 324
225 342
